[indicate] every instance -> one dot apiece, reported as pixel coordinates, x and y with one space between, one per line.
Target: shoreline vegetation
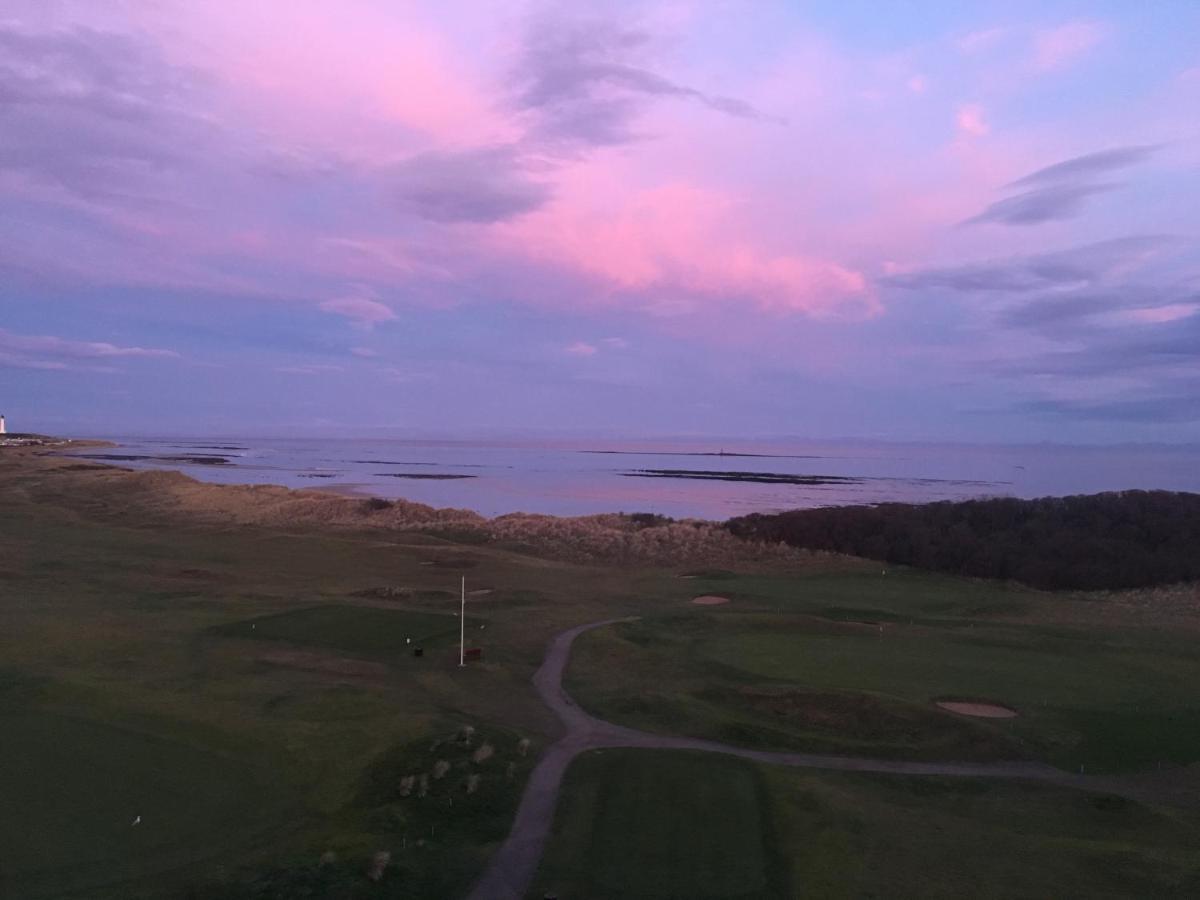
1100 542
159 496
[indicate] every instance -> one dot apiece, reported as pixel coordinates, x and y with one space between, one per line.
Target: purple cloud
582 82
1061 190
486 184
49 352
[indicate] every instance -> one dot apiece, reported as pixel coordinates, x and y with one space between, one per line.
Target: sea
709 479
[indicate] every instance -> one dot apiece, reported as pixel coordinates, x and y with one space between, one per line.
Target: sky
815 218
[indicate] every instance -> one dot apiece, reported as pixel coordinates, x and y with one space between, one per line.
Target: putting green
72 791
638 823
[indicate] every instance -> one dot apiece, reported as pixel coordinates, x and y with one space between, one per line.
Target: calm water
577 478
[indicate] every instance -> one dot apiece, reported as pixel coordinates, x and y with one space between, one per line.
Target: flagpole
462 626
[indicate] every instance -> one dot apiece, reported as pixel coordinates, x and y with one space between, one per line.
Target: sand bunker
710 600
980 710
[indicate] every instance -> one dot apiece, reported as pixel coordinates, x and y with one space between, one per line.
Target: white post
462 626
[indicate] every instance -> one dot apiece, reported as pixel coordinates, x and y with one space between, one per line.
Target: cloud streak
581 81
50 352
1060 191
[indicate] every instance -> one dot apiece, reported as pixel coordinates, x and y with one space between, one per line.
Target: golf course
212 692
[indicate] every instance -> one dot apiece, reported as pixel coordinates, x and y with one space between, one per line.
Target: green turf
635 823
1091 695
72 790
357 630
856 836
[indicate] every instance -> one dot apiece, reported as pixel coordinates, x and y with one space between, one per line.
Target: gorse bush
1116 540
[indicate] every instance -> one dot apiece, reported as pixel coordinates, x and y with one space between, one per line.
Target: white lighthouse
3 427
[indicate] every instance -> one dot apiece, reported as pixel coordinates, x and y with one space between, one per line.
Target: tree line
1122 539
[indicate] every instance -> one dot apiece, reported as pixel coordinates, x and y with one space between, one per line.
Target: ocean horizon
682 477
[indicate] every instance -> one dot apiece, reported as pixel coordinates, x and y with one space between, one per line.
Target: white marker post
462 626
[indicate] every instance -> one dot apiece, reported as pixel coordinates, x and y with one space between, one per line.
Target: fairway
855 836
922 666
355 630
72 791
664 824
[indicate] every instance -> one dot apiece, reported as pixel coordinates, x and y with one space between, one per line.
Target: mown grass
666 824
368 631
87 804
637 823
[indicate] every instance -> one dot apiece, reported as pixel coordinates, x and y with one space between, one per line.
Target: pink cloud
580 348
337 78
1056 48
971 120
981 39
683 240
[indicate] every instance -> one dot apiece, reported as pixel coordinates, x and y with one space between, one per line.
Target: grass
115 600
355 630
435 806
72 790
806 663
112 604
636 823
664 824
851 836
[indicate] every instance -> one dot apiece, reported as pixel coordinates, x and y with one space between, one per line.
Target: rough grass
636 823
432 808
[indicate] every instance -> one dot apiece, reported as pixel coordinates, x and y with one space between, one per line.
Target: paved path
512 867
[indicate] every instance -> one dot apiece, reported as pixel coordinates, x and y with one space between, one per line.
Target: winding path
511 869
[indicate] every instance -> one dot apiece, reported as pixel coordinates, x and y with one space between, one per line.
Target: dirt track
511 869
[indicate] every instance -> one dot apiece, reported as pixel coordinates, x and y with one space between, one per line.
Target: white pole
462 626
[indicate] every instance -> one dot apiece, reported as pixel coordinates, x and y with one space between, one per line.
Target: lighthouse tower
3 427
